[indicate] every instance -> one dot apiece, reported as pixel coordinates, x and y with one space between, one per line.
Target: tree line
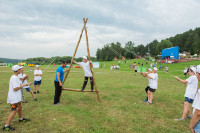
188 41
57 60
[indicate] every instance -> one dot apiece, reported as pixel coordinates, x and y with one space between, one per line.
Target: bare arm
22 85
195 119
182 81
149 76
58 77
76 62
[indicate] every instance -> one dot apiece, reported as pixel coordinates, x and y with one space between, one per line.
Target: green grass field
121 110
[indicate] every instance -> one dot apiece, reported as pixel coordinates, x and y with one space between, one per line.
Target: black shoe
38 92
24 120
92 90
82 89
35 99
8 128
34 92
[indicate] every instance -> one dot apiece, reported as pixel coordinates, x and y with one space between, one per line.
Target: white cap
15 68
155 69
37 65
84 57
149 69
198 68
21 67
194 69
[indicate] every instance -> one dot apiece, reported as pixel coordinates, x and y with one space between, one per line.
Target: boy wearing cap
195 122
192 84
23 77
37 79
14 98
88 74
148 87
153 84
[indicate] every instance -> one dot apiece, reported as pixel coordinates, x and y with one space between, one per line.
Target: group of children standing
192 96
18 82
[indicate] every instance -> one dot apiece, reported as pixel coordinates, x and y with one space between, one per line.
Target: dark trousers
85 83
58 90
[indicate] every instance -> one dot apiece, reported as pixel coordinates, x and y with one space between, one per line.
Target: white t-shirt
25 81
192 86
154 81
149 79
196 103
86 68
14 96
38 78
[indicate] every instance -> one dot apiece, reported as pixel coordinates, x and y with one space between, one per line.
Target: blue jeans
197 127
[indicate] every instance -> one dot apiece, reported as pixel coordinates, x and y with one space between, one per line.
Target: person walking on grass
153 84
167 69
58 82
148 87
37 79
14 98
195 121
88 74
23 77
136 68
192 84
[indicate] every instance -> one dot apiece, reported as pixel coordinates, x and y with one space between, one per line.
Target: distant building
170 53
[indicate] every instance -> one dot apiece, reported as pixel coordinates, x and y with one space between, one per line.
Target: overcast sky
45 28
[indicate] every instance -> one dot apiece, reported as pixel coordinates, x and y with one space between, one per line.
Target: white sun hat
150 69
198 68
84 57
37 65
15 68
155 69
194 69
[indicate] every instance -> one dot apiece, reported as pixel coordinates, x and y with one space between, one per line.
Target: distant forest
7 60
189 41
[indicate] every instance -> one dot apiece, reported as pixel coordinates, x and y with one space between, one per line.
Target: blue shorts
189 100
197 127
28 89
37 82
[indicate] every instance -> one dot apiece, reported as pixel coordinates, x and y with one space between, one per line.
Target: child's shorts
152 90
189 100
147 88
15 106
28 89
37 82
197 127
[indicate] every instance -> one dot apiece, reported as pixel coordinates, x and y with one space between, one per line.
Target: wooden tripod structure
88 51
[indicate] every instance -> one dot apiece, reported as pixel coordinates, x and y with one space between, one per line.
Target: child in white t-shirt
195 122
148 87
14 98
153 84
192 84
88 74
23 77
37 79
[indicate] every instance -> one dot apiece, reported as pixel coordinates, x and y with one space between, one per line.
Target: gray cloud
48 28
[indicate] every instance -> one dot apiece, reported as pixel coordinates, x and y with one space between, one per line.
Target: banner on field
95 64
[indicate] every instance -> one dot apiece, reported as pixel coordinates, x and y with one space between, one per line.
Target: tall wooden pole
88 51
67 73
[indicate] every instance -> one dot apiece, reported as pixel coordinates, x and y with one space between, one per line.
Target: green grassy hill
121 110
